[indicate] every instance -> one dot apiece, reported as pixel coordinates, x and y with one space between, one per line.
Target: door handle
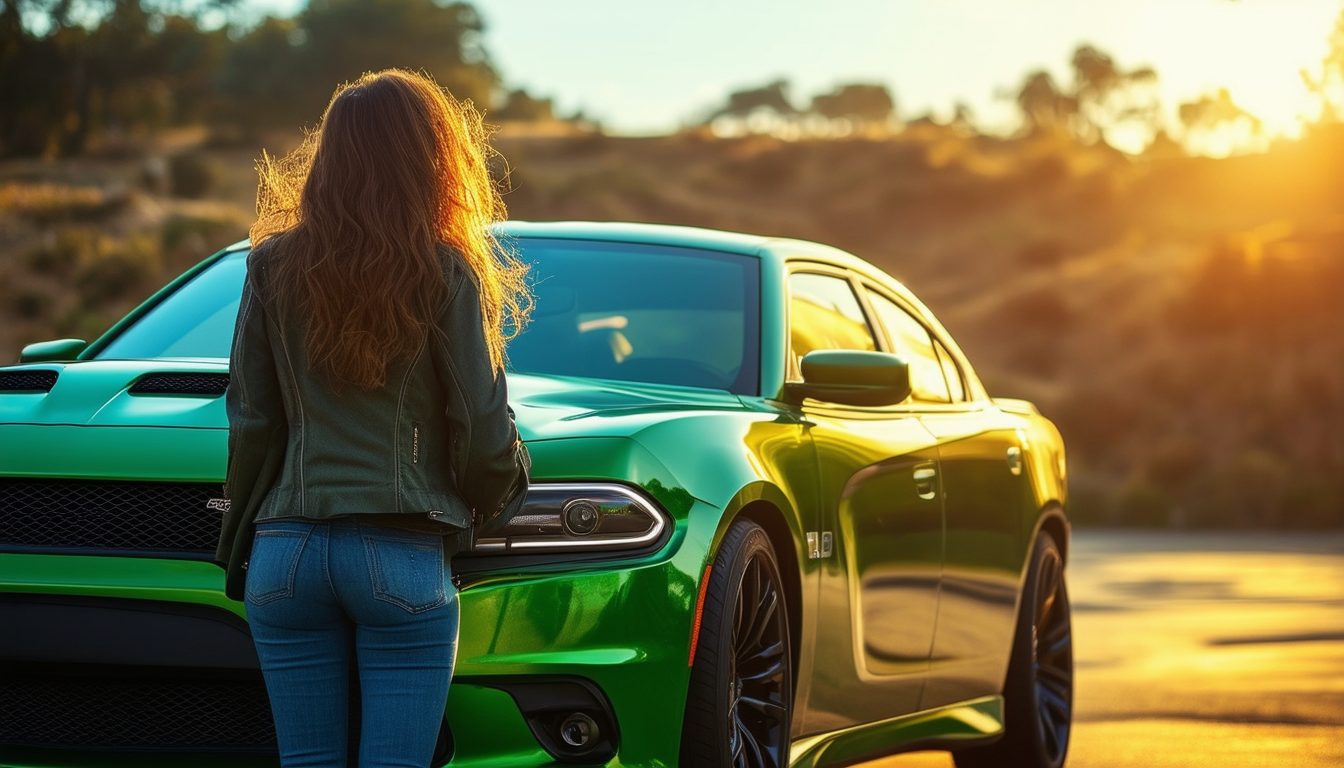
926 482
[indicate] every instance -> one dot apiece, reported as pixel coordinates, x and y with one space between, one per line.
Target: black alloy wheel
740 702
1038 694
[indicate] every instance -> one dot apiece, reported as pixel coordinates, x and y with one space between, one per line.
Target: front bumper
619 628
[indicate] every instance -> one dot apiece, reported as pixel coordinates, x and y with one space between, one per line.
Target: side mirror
52 351
850 377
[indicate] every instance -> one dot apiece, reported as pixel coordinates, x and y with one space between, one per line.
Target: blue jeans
318 593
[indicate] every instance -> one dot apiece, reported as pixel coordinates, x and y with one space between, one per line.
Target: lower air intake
153 715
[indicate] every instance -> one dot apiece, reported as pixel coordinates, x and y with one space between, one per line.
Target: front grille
208 384
109 517
27 381
137 714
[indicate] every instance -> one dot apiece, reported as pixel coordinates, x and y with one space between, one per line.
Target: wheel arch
770 518
1052 521
769 507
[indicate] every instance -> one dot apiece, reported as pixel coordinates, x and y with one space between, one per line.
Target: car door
984 490
880 536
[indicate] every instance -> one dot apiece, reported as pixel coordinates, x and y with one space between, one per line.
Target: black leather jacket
438 439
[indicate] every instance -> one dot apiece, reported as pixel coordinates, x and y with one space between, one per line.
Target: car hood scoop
156 393
31 380
199 384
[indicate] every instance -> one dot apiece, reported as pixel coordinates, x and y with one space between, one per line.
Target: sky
649 66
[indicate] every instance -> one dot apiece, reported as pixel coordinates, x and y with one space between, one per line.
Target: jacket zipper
415 443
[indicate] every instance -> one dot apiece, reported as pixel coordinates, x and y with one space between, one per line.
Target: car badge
219 505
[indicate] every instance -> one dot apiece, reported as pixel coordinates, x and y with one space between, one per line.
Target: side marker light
699 609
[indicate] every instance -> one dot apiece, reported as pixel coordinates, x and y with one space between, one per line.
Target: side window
950 372
824 314
911 340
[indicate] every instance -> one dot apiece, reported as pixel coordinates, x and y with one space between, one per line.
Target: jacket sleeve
253 401
489 462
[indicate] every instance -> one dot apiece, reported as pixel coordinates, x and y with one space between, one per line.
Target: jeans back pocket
274 564
407 571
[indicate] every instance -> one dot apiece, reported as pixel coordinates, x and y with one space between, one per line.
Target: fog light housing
578 730
570 717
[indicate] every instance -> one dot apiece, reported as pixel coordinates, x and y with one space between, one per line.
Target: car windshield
644 313
194 322
641 313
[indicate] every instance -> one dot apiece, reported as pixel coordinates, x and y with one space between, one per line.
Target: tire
1038 693
740 701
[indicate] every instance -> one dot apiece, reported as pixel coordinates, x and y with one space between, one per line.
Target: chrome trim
660 520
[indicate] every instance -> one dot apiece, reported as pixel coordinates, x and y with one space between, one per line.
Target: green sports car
775 520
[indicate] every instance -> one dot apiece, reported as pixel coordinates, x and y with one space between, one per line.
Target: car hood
99 393
551 407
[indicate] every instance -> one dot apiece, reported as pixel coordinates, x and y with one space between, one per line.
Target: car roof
628 232
759 246
686 237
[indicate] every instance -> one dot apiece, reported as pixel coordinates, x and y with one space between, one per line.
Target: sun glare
1259 53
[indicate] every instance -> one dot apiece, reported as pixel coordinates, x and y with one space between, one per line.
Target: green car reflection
775 520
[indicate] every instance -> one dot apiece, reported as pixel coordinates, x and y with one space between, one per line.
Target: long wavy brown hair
396 168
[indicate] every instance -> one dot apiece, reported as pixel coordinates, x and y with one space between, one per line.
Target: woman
368 417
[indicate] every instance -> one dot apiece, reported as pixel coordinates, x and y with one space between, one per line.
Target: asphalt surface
1196 649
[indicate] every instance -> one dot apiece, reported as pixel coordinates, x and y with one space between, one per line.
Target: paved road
1193 650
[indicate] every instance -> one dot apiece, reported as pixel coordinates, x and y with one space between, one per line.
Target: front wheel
740 700
1038 694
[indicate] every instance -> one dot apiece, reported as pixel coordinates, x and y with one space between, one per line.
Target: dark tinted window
642 313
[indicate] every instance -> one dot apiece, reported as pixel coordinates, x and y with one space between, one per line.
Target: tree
267 79
963 117
859 102
72 69
1328 84
1043 105
134 66
1111 100
1104 102
1215 124
347 38
32 85
283 72
519 105
773 97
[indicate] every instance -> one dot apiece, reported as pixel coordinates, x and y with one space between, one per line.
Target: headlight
568 517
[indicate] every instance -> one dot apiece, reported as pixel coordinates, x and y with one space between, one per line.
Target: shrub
47 203
62 251
30 304
115 268
1145 505
192 175
187 239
